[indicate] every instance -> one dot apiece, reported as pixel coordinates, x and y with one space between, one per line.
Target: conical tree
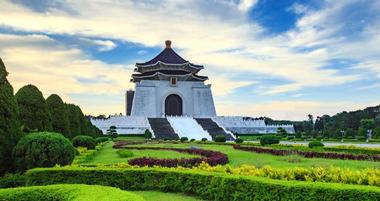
75 114
59 118
9 121
34 112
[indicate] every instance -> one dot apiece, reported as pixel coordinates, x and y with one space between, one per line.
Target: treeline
52 114
354 124
27 111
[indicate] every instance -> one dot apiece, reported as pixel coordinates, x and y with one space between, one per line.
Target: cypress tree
34 112
9 121
74 115
59 117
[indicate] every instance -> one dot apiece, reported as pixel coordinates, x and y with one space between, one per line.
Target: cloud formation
213 33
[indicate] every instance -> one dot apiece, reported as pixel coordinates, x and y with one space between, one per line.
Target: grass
238 157
160 196
108 155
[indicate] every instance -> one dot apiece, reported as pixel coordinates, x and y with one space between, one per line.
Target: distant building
172 101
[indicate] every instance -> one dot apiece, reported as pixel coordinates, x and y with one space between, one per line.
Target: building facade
169 85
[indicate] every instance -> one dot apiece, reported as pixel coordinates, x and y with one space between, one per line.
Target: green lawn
238 157
159 196
108 155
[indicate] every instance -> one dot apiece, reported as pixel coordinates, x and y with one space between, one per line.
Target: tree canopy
34 112
9 121
59 116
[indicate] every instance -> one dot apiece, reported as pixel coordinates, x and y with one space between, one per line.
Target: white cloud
53 68
104 45
245 5
203 32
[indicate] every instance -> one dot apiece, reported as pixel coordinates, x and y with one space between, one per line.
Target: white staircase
188 127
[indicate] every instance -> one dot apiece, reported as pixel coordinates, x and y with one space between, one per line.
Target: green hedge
209 186
63 192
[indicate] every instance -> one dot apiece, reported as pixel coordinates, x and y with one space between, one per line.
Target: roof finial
168 43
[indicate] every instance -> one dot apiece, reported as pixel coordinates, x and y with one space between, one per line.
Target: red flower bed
211 157
309 154
121 144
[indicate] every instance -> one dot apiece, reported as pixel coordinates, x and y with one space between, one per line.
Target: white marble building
172 100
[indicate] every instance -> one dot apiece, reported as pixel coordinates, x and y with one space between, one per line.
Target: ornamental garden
49 150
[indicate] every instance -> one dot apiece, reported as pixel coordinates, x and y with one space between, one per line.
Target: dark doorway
173 105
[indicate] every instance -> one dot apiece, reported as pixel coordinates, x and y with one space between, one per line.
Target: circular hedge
63 192
315 144
269 139
220 138
84 141
43 149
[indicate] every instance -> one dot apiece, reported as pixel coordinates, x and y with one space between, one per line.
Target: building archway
173 105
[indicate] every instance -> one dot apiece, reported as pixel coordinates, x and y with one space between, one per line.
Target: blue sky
278 58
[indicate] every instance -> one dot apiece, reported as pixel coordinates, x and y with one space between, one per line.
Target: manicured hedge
101 139
308 154
69 192
211 157
209 186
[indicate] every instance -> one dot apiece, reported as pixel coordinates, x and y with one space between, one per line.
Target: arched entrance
173 105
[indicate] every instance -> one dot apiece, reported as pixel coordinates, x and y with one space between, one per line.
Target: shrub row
353 149
63 192
309 154
211 157
209 186
86 155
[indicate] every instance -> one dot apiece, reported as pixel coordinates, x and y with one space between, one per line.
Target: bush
184 139
124 153
148 134
269 139
101 139
204 139
12 180
315 144
220 138
43 149
66 192
84 141
239 140
208 186
192 140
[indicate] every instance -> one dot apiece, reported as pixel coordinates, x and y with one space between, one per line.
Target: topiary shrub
43 149
269 139
220 138
148 134
204 139
101 139
239 140
84 141
184 139
315 144
124 153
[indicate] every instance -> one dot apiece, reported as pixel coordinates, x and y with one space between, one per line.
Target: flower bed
309 154
211 157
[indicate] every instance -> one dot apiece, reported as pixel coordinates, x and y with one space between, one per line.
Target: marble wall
150 95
